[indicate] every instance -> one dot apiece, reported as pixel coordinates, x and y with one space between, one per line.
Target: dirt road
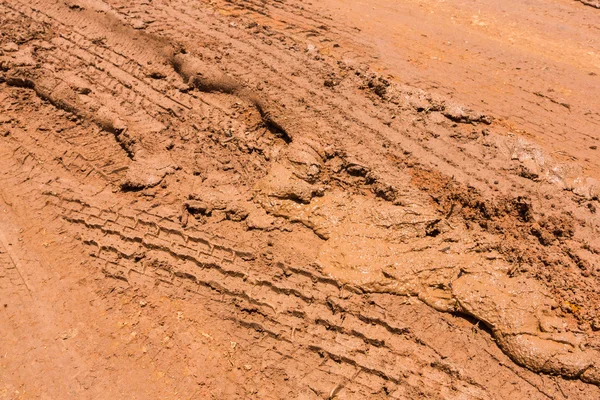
342 200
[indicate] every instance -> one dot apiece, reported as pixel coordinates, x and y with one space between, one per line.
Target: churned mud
240 199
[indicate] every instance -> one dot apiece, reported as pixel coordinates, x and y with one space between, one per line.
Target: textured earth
251 199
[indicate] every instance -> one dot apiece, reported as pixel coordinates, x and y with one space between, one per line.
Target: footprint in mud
381 247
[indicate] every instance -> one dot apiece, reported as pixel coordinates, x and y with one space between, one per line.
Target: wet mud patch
261 175
502 215
436 252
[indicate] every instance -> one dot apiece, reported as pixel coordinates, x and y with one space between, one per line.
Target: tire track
361 118
356 120
296 307
299 309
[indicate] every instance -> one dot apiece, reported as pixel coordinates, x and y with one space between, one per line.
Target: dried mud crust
311 197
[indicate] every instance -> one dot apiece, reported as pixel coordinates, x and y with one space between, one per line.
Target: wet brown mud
239 200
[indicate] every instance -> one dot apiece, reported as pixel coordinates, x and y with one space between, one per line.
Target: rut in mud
358 237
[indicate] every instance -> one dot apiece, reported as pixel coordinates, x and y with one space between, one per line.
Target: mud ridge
208 78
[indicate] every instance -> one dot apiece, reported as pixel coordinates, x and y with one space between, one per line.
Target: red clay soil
285 200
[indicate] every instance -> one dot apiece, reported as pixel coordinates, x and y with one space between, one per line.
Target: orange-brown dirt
235 199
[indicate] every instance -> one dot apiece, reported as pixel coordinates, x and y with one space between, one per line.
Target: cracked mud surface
240 199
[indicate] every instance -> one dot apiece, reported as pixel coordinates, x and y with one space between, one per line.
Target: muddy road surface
285 200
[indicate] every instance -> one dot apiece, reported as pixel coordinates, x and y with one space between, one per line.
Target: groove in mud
208 78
